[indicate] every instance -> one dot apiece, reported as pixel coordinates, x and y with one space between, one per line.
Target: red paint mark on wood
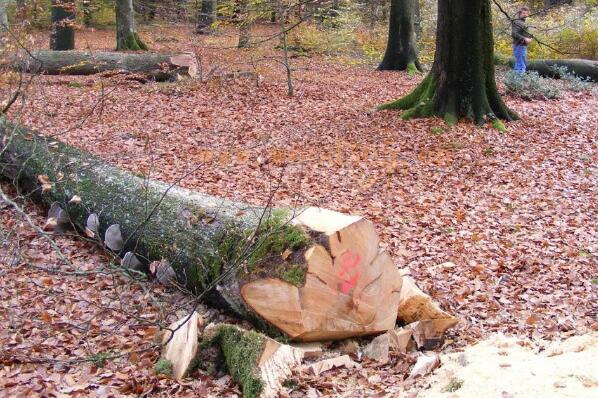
350 260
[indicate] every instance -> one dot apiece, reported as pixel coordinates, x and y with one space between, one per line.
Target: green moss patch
242 351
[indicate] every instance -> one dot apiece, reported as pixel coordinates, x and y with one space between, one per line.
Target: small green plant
75 84
437 130
98 360
163 367
453 385
499 125
594 281
488 151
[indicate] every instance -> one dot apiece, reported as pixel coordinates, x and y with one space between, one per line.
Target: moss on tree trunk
207 240
401 49
461 83
126 33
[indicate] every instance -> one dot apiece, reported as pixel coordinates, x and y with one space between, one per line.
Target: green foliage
530 85
164 367
571 31
99 360
573 82
453 385
437 130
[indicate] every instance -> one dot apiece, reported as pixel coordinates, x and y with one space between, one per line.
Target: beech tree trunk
159 67
313 275
401 49
461 83
62 33
244 25
126 32
206 17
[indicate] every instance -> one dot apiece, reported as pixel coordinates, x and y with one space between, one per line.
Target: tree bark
244 25
62 33
315 275
126 32
206 17
159 67
3 15
401 49
461 83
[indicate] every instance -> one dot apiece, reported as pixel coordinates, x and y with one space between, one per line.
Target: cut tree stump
159 67
313 274
351 289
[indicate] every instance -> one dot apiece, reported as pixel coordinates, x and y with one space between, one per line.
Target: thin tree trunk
206 16
86 8
126 32
417 20
62 33
3 15
245 25
401 50
461 83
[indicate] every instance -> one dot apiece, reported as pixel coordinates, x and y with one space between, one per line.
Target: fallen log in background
159 67
584 68
320 277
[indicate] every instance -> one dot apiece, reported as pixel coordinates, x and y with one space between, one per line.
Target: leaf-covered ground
515 212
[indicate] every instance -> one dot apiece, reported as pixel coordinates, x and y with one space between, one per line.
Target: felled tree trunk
555 68
461 83
156 66
206 17
62 33
401 49
315 275
126 33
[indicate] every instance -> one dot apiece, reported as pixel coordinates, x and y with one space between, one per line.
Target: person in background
521 38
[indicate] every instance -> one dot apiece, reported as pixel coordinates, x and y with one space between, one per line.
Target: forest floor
515 212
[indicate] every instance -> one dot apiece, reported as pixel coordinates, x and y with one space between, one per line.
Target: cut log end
351 288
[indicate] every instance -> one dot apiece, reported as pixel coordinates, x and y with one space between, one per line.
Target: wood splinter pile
352 288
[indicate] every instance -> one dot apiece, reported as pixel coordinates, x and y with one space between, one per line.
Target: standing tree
62 33
401 50
206 16
126 33
242 11
461 83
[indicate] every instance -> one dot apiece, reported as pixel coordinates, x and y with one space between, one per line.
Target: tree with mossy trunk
401 49
461 83
126 32
62 33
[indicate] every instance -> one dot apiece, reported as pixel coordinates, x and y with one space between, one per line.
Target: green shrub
530 85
